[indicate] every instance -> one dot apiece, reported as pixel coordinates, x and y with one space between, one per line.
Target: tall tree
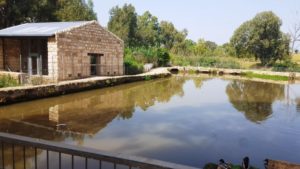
123 22
170 37
75 10
148 30
262 38
14 12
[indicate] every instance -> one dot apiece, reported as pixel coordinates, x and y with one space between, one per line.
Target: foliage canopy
14 12
262 38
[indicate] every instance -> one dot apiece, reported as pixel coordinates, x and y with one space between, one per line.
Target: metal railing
98 159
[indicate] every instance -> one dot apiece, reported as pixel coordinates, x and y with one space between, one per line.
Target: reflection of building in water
87 112
298 105
84 113
54 114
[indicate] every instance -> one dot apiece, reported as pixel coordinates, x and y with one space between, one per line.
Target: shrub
163 57
218 62
286 66
132 66
7 81
179 61
142 55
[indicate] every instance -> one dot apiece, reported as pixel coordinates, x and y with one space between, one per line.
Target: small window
70 75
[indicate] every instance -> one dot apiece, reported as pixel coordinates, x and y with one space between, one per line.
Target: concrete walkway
235 71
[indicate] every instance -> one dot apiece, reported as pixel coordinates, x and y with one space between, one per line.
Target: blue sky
213 20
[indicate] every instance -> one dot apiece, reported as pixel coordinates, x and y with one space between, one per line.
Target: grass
8 81
267 77
296 58
206 61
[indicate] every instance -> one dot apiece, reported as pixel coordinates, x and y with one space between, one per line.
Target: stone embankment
25 93
220 71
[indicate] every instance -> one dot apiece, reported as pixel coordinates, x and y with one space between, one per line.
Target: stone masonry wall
74 46
12 54
1 55
26 93
52 59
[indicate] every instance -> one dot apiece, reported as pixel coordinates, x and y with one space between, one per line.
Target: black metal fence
28 153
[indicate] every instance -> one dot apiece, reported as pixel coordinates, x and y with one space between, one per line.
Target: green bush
7 81
131 65
142 55
163 57
179 60
216 62
286 66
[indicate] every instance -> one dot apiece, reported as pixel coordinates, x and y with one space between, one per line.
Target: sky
213 20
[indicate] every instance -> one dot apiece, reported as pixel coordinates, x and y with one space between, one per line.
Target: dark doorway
34 56
95 63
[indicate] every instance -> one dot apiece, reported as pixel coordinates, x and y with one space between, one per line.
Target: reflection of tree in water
198 82
254 98
85 113
146 95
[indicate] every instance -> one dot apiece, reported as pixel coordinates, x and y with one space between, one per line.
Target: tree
75 10
170 37
201 48
14 12
229 49
211 45
185 48
148 30
295 33
262 38
123 23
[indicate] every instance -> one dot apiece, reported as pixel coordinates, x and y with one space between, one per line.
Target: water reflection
254 99
298 105
187 120
87 112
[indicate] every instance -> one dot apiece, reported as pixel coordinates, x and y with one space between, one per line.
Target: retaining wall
26 93
220 71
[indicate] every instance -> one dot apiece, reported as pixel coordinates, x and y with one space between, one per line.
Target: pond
186 120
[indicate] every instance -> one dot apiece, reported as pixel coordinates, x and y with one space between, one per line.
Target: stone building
61 50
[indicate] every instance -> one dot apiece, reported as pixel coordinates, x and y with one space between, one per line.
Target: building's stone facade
52 58
75 45
67 55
